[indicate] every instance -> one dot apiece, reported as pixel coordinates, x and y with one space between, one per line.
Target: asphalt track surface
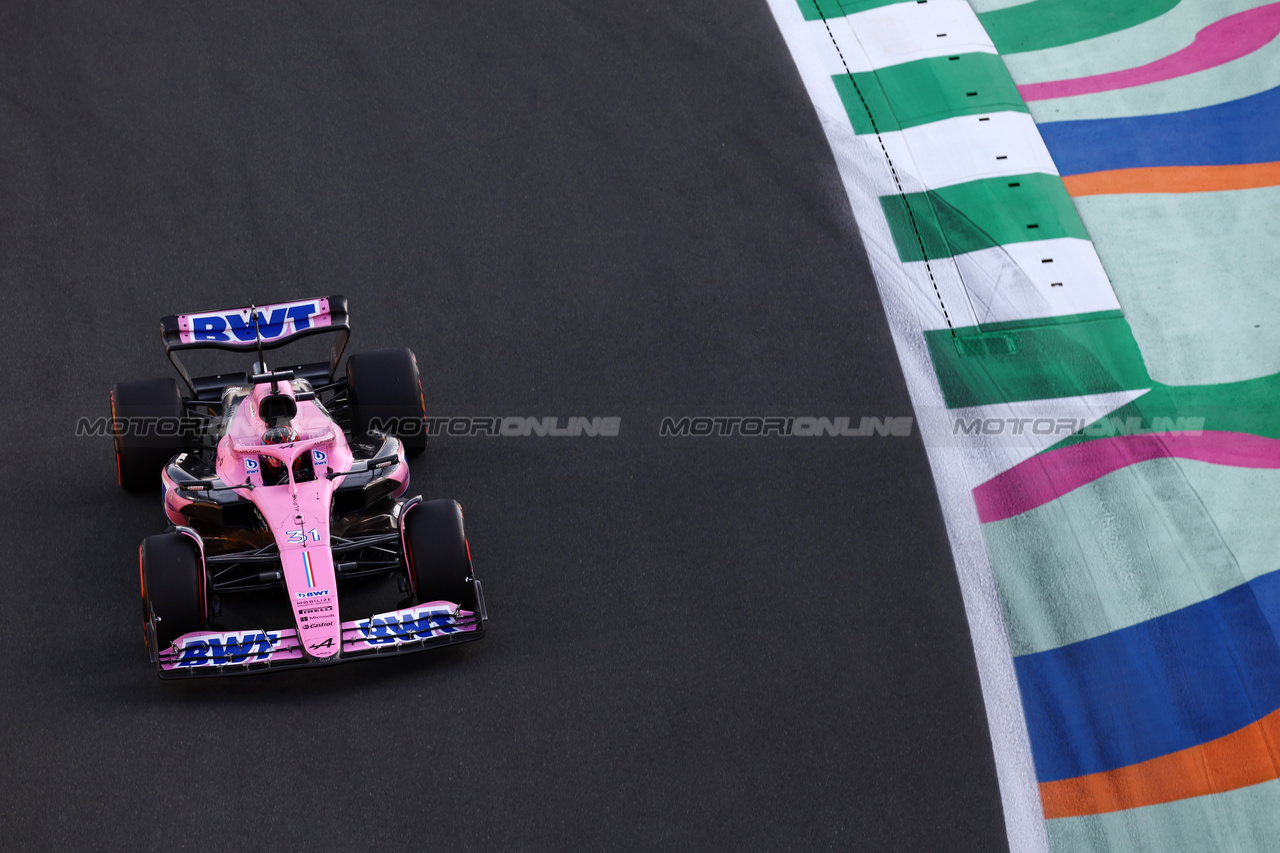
565 209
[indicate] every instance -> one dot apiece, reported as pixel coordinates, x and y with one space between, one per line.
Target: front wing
412 629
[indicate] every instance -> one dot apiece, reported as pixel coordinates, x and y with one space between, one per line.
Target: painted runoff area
1119 576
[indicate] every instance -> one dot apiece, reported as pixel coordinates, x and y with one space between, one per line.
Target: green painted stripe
1137 544
814 10
1246 820
866 104
927 90
1051 23
1066 359
981 214
1251 406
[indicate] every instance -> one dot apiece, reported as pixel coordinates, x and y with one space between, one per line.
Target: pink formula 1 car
285 490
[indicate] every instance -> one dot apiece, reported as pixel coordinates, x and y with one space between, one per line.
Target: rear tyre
173 587
147 426
437 555
385 389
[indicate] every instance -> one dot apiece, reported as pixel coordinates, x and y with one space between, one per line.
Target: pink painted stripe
1051 475
1218 43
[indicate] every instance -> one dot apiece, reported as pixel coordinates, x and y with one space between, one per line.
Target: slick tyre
173 587
385 389
437 555
147 426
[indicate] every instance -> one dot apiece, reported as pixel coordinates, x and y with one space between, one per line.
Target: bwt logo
402 627
232 648
284 320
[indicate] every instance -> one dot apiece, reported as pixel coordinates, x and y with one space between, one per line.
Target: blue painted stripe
1157 687
1240 131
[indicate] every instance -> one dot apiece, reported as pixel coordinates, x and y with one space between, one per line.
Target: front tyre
173 588
436 553
385 390
148 428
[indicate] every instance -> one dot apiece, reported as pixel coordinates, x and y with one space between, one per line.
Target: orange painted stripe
1245 757
1175 179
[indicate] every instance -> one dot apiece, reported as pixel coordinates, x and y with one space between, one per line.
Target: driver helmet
272 468
280 435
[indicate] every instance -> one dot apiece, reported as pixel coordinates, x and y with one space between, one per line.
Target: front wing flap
411 629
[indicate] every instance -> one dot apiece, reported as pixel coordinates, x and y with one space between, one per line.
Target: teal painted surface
1245 506
1147 42
1198 275
1138 543
1246 820
1246 76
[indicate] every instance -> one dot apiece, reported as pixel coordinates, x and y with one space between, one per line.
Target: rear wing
247 329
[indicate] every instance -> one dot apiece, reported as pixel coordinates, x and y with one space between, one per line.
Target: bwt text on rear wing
257 327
